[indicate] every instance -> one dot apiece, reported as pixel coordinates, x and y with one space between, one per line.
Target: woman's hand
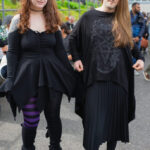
139 65
136 39
78 66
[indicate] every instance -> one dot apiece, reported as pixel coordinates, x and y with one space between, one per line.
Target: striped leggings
31 114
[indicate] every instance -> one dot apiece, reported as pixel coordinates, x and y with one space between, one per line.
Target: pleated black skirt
106 115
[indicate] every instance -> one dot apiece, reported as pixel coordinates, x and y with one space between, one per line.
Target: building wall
145 7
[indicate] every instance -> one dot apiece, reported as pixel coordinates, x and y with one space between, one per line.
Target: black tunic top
92 42
106 62
36 62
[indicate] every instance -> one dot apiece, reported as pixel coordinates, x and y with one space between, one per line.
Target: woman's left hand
139 65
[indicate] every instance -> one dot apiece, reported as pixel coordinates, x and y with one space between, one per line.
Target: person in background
148 23
4 31
70 23
3 64
146 72
3 68
65 34
144 42
1 53
146 33
138 27
138 24
7 21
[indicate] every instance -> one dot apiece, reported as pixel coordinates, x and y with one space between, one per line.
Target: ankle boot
28 137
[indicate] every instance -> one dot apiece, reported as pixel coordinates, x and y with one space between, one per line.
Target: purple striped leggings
31 114
52 111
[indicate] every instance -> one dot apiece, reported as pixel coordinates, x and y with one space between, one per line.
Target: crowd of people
47 58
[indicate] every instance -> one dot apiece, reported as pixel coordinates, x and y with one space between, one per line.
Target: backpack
3 36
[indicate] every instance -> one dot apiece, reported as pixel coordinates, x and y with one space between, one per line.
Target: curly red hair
50 11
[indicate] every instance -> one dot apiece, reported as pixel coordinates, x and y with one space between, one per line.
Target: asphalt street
10 130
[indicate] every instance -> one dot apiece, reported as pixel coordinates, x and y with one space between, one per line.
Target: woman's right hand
78 66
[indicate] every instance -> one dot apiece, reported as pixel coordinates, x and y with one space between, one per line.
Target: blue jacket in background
149 29
138 24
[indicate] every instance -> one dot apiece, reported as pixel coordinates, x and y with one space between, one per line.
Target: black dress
105 114
104 102
40 62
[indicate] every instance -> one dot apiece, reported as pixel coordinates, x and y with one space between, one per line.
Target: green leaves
3 33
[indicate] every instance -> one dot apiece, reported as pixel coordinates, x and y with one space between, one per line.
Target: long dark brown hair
122 25
51 14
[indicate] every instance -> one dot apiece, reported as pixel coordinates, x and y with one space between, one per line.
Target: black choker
36 10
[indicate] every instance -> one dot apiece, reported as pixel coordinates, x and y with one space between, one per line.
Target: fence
80 8
80 3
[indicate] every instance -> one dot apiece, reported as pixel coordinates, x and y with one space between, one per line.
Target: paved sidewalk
10 131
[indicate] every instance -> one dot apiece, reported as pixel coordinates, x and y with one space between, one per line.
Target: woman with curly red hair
38 70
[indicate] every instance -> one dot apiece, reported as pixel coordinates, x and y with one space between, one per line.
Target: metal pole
79 9
69 7
3 10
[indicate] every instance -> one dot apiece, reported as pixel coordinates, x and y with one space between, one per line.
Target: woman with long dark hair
101 45
38 69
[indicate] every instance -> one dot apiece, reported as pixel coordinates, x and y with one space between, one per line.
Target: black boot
28 137
55 147
54 142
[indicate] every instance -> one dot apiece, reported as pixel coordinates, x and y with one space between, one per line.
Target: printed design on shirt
106 55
